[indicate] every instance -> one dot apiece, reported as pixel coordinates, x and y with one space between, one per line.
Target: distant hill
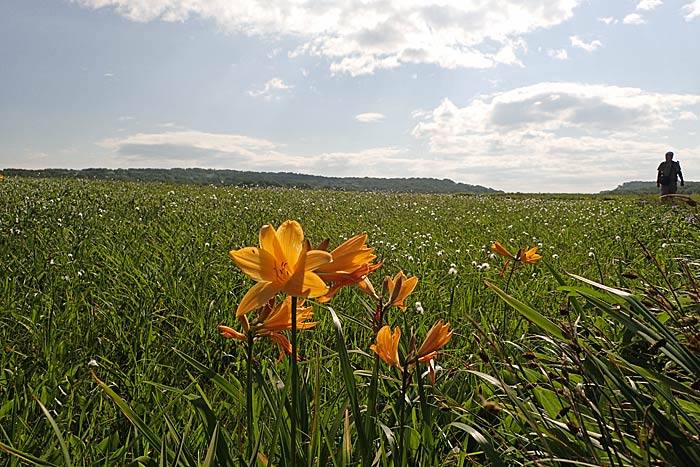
645 188
263 179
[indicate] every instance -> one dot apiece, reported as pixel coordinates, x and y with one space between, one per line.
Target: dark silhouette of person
669 172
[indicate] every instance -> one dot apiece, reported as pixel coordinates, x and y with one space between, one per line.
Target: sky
517 95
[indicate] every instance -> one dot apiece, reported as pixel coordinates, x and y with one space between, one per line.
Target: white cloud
271 89
691 10
559 54
363 36
649 4
370 117
587 46
215 143
608 20
634 18
550 135
688 116
214 150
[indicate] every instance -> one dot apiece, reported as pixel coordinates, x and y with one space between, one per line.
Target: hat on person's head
669 153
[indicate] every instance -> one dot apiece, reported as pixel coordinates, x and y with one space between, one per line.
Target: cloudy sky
518 95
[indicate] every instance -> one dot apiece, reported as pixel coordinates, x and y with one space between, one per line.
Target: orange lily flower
387 346
438 336
399 288
283 263
524 255
501 250
272 319
352 262
530 256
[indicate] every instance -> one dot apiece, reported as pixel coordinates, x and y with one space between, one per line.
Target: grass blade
61 441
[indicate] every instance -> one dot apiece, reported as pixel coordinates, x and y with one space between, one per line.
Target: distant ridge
647 188
223 177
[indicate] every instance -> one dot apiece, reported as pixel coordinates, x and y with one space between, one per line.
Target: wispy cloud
370 117
634 18
271 89
608 20
546 134
559 54
361 37
691 10
214 150
587 46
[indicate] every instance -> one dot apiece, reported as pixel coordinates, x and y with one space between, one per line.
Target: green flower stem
249 397
295 387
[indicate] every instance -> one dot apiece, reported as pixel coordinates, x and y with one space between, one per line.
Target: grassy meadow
110 352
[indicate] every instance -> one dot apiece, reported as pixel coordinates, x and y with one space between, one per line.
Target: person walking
669 172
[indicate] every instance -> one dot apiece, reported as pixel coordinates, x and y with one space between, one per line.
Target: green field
112 293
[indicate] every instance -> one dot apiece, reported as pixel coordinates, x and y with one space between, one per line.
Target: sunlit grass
131 281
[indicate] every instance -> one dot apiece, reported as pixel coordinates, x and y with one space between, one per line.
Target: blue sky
518 95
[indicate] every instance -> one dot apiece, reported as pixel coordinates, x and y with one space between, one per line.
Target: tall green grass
112 293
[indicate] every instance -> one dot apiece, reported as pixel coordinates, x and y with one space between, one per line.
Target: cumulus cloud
649 4
691 10
587 46
608 20
545 135
370 117
363 36
271 89
634 18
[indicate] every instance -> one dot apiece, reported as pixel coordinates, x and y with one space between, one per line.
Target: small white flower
664 245
93 363
486 266
207 244
419 308
591 254
555 256
452 271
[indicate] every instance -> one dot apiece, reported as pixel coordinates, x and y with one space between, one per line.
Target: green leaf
349 379
61 441
481 441
529 313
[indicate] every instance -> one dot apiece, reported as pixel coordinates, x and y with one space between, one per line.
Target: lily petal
270 243
257 296
256 263
291 239
316 258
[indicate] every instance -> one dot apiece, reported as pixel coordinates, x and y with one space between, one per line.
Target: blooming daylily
352 262
399 288
501 250
438 336
524 255
387 346
273 318
530 256
283 263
